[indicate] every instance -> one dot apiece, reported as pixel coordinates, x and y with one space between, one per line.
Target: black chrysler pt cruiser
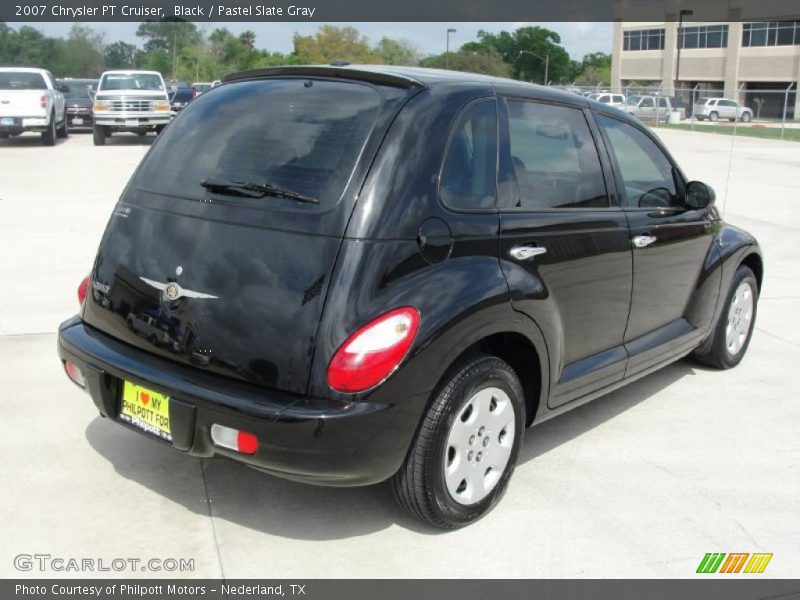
347 275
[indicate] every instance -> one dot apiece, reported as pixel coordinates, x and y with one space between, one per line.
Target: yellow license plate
146 409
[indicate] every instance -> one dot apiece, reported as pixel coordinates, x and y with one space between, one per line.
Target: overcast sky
429 38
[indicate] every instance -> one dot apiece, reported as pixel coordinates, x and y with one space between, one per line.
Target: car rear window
299 135
20 80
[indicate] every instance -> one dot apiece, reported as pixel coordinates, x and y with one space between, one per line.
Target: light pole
447 49
685 12
545 58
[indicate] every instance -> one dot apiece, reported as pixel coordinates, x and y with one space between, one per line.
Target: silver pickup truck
133 101
31 101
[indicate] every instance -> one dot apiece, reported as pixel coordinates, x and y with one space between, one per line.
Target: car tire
479 408
49 136
99 135
734 328
747 117
713 116
160 128
63 131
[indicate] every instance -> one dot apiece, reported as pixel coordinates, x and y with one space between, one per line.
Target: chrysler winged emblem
172 291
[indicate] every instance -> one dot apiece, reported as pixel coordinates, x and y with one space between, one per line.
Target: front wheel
465 451
732 333
713 116
99 135
747 117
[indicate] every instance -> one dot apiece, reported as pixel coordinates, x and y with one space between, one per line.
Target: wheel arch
756 264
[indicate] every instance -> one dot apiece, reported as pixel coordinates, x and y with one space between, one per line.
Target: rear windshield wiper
256 190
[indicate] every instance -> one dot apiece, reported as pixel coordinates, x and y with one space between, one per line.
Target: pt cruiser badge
172 291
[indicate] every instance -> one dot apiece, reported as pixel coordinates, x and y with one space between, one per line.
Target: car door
670 241
564 243
727 109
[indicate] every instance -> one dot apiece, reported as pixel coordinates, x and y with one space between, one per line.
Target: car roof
419 77
131 72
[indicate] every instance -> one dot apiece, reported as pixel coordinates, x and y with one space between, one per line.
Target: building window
643 39
705 36
772 33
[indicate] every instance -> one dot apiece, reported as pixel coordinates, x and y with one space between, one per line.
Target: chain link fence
752 109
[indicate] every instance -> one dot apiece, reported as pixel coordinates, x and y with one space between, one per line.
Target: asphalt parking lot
641 483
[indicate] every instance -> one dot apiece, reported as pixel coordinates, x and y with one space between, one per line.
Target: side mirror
699 195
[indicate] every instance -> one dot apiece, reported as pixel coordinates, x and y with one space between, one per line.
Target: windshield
131 81
79 90
703 100
201 87
20 80
302 137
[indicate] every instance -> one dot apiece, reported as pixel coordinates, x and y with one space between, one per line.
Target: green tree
29 47
81 53
527 50
397 52
485 60
594 68
121 55
334 43
168 39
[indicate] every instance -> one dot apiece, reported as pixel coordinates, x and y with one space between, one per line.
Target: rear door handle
642 241
526 252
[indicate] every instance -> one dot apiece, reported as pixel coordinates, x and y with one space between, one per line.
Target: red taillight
83 289
234 439
43 101
194 93
74 373
371 354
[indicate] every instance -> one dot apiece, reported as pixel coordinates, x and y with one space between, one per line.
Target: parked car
202 86
78 95
615 100
648 107
180 94
377 306
132 101
31 101
721 108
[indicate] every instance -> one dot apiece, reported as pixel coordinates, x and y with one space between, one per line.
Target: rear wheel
99 135
63 131
159 129
731 336
465 451
49 135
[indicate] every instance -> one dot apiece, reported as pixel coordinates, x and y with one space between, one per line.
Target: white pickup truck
31 101
133 101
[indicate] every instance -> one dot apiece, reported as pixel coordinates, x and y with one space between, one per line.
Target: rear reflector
74 373
233 439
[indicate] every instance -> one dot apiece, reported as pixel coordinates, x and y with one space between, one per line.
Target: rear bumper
26 123
306 439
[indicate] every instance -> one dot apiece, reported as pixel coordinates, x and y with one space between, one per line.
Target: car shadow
130 139
28 140
267 504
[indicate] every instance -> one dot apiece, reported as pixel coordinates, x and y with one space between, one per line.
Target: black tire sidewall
491 372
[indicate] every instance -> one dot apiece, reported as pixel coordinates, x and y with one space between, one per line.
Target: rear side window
646 171
20 80
469 173
298 135
554 156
